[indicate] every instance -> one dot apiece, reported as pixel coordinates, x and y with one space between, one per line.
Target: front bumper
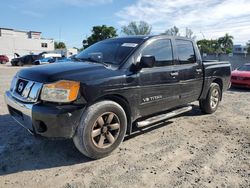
240 83
48 120
20 112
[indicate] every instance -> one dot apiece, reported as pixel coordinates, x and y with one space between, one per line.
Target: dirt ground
192 150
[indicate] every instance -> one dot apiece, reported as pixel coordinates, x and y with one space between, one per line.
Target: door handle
198 70
174 74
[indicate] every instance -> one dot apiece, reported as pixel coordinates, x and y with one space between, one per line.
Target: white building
23 42
239 49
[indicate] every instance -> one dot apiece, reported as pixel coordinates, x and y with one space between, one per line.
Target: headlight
61 91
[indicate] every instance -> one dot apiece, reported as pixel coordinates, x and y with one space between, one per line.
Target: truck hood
78 71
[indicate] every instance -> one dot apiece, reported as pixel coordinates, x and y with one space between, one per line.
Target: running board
163 117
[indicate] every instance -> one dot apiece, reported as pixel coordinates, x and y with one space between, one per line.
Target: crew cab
113 86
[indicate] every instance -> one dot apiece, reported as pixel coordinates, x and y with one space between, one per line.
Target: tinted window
162 50
110 51
244 68
44 45
185 51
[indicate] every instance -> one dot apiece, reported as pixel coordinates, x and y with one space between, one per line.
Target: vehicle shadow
239 89
194 112
20 151
139 131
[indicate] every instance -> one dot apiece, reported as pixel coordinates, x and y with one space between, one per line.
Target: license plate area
21 118
15 113
239 78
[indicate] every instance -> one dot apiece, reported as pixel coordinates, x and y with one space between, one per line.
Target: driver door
158 85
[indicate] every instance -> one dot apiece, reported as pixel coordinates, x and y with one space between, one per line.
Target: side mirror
147 61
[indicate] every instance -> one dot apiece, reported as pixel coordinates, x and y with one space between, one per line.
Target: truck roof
146 37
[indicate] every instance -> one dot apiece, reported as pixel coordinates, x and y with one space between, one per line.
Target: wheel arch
220 83
122 101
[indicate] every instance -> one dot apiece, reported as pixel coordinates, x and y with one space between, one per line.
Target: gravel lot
193 150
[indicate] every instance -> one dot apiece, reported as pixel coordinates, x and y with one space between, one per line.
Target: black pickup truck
114 86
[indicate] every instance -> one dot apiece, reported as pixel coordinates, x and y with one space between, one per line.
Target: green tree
59 45
209 46
134 28
174 31
226 43
99 33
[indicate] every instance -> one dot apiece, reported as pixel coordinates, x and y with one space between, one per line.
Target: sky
71 21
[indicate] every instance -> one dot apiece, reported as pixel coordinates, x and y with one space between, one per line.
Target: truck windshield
109 52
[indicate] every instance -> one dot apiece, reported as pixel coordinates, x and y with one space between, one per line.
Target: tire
36 63
13 64
211 103
101 129
20 63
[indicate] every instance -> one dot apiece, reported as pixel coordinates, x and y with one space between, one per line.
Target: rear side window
162 50
185 51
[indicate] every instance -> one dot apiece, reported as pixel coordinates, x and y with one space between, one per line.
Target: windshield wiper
92 60
76 59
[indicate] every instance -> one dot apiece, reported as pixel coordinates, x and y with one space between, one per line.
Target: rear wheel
211 103
101 129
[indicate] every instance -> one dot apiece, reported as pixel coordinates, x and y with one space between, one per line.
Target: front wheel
20 63
13 64
211 103
101 130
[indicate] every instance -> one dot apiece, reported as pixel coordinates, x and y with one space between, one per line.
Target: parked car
3 59
62 60
25 60
241 76
116 85
47 58
44 61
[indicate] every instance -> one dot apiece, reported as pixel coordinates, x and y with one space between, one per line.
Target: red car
3 59
241 76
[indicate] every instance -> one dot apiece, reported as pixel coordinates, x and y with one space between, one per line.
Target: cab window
162 50
185 51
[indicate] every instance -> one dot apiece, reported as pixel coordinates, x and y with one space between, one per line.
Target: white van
53 55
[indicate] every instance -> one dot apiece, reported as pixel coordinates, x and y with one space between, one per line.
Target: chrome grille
25 90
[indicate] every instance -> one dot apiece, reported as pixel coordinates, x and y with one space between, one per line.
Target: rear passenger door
158 86
190 71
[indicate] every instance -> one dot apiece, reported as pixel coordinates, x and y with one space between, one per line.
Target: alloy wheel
214 100
105 130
